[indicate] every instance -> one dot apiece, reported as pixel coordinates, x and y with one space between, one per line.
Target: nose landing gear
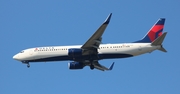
25 62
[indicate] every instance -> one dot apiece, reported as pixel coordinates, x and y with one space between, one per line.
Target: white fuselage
105 51
92 50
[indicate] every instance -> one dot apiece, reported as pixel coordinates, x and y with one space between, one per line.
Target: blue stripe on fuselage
63 58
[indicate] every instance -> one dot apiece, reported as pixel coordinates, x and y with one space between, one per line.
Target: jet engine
75 65
75 52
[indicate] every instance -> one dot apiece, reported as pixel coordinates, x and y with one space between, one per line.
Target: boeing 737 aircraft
92 50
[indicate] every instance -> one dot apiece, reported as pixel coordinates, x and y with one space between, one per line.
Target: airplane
93 50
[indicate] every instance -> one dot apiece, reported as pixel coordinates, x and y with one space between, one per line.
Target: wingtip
111 67
108 19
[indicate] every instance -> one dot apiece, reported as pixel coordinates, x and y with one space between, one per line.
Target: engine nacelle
75 52
75 65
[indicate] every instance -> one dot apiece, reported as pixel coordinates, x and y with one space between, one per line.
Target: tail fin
154 32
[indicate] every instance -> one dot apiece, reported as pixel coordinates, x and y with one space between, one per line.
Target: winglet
108 19
111 67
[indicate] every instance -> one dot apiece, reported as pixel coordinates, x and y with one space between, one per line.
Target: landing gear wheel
28 65
91 67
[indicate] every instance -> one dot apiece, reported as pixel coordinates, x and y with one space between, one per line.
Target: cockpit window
22 52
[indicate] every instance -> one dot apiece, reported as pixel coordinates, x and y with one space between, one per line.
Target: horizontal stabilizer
162 49
159 40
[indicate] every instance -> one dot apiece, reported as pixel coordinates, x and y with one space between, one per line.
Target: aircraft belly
113 55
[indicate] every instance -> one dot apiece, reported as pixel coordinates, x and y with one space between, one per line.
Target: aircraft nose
15 57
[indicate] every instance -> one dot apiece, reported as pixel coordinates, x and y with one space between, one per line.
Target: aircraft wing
101 67
91 46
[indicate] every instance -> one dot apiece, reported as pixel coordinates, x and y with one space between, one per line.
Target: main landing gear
91 66
28 65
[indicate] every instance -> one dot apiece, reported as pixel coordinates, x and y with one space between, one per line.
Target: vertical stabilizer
154 32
